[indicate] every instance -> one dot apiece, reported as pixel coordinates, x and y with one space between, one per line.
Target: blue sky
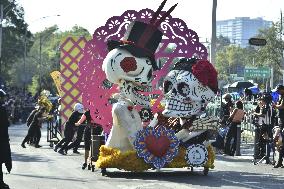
92 14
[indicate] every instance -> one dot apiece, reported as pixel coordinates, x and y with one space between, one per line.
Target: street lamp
25 49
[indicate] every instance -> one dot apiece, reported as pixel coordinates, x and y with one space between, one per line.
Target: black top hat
142 39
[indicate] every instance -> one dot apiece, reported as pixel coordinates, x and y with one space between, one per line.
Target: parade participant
69 129
236 119
5 150
29 121
280 107
35 128
86 117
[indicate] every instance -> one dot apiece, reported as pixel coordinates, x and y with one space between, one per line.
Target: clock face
196 155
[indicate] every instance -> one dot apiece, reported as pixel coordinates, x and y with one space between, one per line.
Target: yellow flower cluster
129 161
113 158
44 102
211 158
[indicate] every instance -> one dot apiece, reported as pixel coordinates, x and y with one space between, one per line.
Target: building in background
240 29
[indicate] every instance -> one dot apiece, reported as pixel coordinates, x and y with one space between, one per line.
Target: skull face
132 74
184 94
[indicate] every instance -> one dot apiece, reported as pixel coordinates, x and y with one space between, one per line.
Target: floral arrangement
211 158
114 158
156 146
129 161
44 102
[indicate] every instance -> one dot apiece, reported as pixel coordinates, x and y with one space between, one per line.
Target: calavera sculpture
129 64
132 74
188 87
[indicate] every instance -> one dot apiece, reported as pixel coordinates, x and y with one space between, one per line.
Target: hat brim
134 50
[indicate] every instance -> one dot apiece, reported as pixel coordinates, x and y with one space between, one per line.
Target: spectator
280 107
227 107
5 150
231 138
265 123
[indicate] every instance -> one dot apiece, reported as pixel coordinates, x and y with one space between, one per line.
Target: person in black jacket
5 150
70 129
35 128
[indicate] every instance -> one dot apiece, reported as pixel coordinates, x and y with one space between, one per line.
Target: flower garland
129 161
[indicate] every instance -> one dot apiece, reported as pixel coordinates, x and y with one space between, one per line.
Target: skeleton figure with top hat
130 64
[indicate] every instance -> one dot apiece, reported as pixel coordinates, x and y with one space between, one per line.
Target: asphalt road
45 169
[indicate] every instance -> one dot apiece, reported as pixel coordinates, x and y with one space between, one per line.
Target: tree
271 55
222 42
49 40
14 28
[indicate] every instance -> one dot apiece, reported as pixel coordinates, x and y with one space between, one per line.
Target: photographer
265 116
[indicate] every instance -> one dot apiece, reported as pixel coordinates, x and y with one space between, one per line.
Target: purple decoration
94 95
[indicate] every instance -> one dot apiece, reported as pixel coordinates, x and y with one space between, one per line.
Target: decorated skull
188 87
131 61
132 74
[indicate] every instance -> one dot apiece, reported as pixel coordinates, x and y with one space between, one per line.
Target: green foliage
33 88
271 55
40 65
14 28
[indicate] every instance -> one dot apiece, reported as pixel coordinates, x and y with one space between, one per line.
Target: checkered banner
71 53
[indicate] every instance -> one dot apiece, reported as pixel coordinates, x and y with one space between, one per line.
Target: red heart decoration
157 146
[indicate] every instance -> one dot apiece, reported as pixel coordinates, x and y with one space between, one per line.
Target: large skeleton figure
132 75
130 63
186 97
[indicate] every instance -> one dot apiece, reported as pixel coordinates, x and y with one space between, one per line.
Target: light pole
25 50
213 37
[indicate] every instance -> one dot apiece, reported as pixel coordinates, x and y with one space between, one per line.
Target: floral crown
203 70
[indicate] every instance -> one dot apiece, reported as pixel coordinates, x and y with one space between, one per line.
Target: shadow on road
50 177
232 179
28 158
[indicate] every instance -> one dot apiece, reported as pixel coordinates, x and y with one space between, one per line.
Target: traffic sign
257 41
253 72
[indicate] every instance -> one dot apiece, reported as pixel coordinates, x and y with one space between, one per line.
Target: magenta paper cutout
175 32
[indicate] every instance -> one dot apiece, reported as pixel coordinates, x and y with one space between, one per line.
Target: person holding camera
265 116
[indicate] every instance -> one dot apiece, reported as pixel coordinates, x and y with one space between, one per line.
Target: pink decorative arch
94 96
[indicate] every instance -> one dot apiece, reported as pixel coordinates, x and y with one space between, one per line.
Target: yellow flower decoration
129 161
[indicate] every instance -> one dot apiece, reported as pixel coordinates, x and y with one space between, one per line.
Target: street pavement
42 168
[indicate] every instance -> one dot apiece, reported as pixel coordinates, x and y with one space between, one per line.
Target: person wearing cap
280 107
35 128
70 129
227 107
5 150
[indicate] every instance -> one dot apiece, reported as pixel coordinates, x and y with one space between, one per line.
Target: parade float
146 79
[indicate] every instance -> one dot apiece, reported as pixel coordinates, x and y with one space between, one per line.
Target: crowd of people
268 120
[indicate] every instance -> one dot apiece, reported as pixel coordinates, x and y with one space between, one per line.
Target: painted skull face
184 94
132 74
